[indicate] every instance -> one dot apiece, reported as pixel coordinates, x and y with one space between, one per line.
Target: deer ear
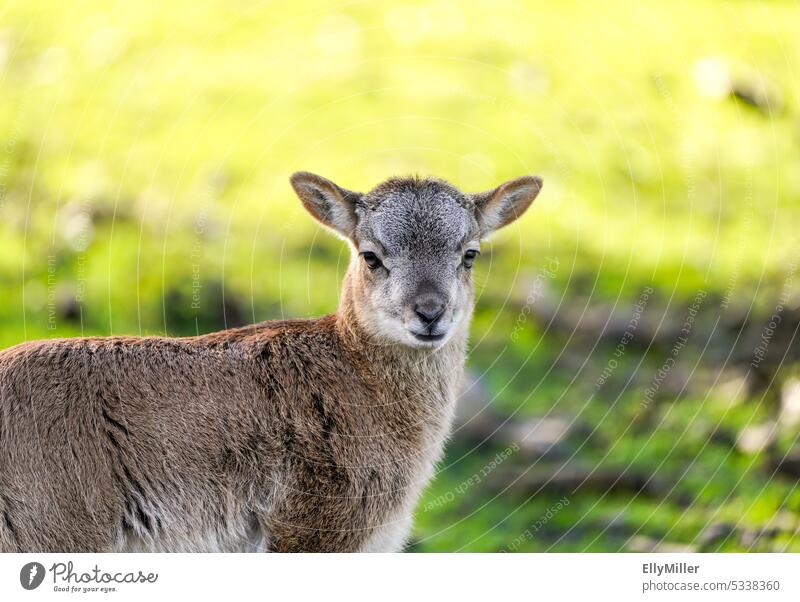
332 205
502 205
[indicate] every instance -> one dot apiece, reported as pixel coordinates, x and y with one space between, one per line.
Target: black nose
429 311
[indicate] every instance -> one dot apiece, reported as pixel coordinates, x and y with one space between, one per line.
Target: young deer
302 435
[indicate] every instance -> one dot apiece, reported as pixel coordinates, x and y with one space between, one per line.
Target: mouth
428 338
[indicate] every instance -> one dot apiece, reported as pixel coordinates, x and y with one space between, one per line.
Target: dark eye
371 260
469 257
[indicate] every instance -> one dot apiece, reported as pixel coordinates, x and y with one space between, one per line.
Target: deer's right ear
332 205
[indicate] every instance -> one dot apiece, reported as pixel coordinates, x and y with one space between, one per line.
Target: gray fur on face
417 217
420 230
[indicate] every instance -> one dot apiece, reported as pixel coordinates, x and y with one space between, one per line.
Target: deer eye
372 261
469 257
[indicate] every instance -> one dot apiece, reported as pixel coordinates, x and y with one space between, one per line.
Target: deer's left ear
502 205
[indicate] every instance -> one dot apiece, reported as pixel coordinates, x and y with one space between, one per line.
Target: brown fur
109 444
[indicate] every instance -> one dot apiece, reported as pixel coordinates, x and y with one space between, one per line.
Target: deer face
414 242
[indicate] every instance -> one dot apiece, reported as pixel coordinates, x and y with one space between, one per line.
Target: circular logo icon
31 575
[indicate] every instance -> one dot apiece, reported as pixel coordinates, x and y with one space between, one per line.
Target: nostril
429 312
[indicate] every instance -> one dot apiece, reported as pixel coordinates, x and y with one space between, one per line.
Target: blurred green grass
147 150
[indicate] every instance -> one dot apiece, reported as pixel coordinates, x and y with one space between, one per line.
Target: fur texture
308 435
